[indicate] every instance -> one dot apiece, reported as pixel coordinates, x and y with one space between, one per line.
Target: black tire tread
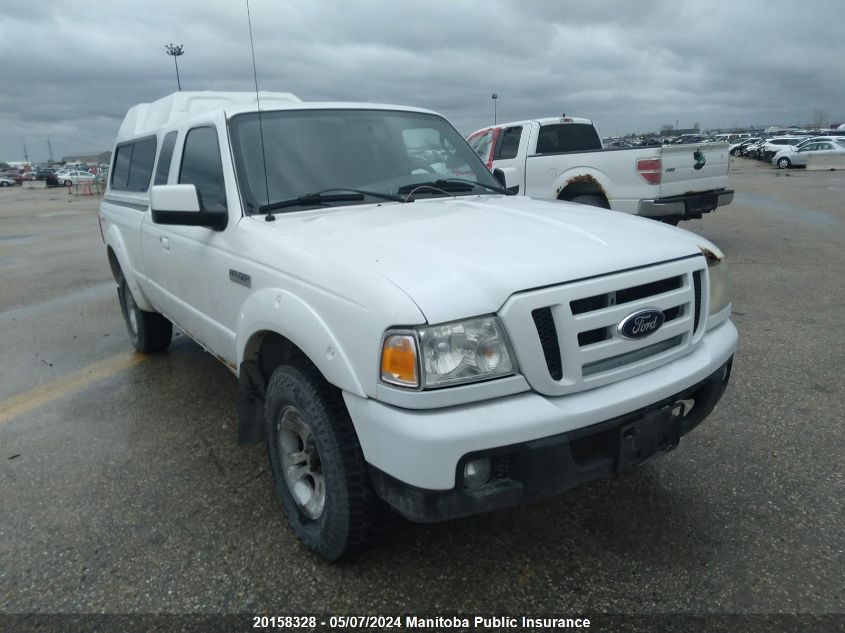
155 331
590 199
365 511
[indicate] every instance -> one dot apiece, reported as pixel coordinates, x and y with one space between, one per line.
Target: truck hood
462 257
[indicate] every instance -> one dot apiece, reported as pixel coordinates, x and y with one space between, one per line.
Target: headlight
450 354
720 286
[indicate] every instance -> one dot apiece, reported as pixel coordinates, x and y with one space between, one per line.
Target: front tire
318 467
149 332
783 162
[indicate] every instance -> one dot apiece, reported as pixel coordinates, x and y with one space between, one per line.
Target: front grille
545 324
626 295
594 336
613 362
696 286
576 344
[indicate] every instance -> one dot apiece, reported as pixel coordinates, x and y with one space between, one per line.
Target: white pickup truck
405 333
563 159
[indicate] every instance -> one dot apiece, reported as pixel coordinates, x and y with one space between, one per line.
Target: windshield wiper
453 184
326 196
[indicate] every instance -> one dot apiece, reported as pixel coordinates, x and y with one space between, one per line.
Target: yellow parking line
62 386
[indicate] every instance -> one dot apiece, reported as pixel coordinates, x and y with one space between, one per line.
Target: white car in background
783 159
75 177
772 146
799 158
7 182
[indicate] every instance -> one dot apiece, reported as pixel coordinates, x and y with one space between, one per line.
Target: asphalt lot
123 489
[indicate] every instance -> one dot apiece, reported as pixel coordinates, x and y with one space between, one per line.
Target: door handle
165 243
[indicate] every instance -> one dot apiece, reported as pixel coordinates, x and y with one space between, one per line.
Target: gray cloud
72 69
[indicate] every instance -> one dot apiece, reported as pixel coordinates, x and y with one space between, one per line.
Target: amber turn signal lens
399 360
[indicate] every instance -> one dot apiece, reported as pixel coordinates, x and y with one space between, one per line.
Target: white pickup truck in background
563 159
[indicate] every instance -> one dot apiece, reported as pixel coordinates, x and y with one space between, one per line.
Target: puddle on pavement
811 217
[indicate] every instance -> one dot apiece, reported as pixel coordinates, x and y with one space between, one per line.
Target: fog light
476 473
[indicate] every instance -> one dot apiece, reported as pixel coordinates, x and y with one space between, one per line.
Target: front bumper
423 447
526 472
687 205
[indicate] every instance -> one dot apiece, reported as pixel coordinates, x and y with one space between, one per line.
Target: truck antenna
269 217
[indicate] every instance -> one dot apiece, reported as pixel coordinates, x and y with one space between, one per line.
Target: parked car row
787 151
64 176
47 175
735 139
10 175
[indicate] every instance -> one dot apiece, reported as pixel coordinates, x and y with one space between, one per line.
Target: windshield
381 151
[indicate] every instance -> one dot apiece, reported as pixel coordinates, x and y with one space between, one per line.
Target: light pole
176 51
494 97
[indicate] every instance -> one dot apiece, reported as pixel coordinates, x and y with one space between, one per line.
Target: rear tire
317 464
590 199
149 332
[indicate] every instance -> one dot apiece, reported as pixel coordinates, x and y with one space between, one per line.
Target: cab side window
202 167
141 168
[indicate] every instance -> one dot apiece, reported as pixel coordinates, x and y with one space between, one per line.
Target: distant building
98 158
679 131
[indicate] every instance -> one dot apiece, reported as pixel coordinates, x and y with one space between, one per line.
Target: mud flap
251 396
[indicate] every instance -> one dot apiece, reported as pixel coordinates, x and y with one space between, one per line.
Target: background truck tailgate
680 175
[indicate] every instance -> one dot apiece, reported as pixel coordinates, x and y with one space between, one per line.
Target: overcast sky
70 69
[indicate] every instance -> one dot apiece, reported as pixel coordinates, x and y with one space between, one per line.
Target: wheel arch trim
276 311
118 255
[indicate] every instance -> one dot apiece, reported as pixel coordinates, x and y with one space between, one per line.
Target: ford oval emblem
641 324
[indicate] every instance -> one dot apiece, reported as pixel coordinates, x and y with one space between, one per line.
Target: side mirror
180 205
499 175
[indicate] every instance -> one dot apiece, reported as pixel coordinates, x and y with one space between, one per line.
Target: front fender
114 239
280 311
